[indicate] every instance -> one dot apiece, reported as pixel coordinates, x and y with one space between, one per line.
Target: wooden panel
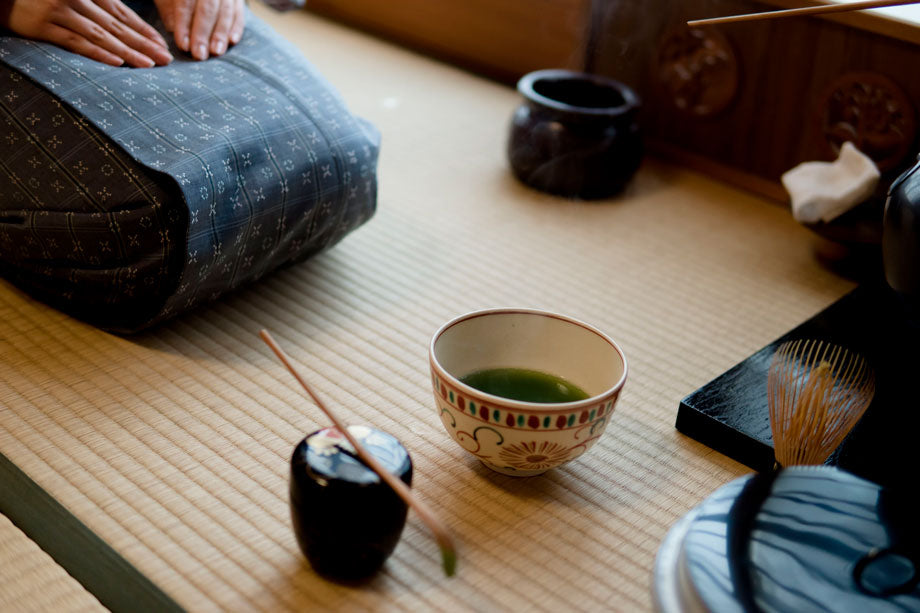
783 68
503 39
784 71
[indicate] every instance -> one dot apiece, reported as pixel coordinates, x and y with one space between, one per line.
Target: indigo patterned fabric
130 195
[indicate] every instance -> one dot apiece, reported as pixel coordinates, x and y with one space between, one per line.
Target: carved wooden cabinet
748 101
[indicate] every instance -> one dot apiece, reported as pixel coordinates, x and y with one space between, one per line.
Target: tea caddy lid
327 454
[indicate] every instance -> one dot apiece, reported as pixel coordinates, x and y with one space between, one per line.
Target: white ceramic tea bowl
511 436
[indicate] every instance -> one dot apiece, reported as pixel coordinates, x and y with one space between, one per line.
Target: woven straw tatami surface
31 581
173 446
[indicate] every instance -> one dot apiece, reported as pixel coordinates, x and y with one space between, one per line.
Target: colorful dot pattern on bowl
547 420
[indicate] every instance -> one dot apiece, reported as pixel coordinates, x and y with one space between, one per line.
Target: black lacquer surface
730 413
347 520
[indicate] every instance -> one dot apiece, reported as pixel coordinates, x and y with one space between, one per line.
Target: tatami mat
173 446
31 581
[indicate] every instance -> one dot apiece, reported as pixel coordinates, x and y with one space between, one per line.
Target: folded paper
822 191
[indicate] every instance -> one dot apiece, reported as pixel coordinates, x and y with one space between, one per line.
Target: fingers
165 8
239 22
208 27
207 13
182 13
127 30
131 19
128 35
70 40
220 36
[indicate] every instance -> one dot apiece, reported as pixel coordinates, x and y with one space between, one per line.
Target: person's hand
103 30
203 27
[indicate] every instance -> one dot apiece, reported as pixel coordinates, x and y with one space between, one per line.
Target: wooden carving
871 111
697 70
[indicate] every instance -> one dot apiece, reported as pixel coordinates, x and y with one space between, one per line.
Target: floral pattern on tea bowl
524 438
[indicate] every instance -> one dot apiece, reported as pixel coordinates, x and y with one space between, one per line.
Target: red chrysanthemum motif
534 455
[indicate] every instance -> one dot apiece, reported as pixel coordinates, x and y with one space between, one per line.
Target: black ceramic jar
347 520
575 134
901 238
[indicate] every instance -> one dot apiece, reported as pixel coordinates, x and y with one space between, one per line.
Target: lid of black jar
822 539
578 94
328 454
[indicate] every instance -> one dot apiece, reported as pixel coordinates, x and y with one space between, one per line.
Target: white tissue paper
822 191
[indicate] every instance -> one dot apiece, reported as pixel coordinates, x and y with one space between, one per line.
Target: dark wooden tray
730 412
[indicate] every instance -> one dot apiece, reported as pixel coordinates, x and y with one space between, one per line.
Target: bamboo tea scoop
816 392
810 10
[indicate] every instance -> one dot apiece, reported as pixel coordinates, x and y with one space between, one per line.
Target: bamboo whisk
816 392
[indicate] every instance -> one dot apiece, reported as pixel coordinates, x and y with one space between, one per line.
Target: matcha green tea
525 385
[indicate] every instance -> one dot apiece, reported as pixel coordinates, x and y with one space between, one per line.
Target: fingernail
147 62
184 43
201 52
219 47
235 37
